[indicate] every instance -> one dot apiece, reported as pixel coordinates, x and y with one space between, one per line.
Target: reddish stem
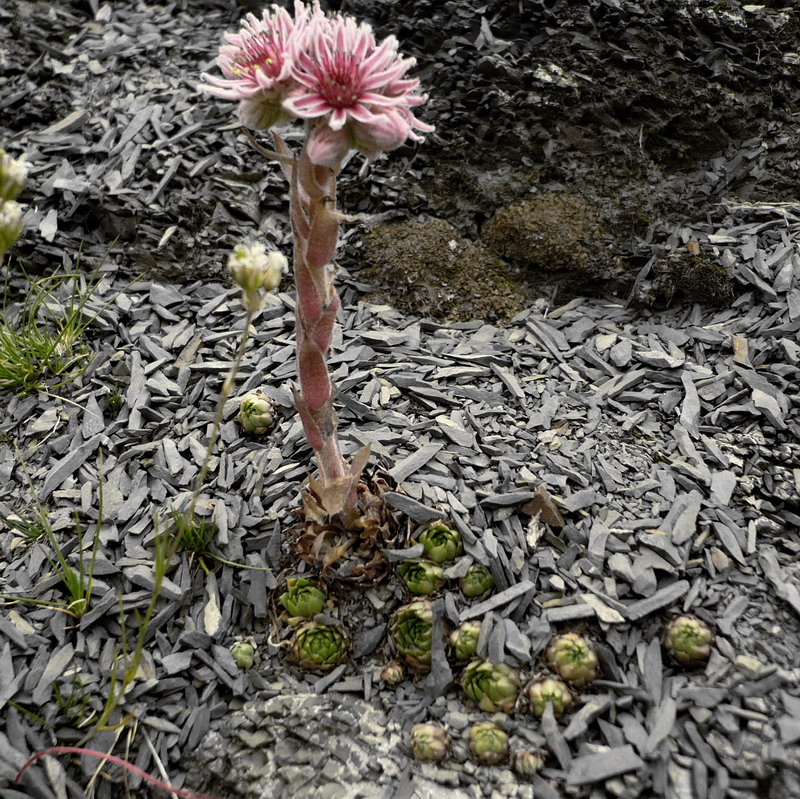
77 750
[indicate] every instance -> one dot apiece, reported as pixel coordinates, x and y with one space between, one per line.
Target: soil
646 114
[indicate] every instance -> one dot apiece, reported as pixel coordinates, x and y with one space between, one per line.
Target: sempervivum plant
319 647
303 597
488 743
477 582
244 653
528 762
411 632
688 640
573 658
430 741
547 689
440 542
464 640
393 673
256 412
492 686
421 577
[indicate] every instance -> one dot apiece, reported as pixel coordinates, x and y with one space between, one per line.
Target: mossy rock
424 267
683 276
551 232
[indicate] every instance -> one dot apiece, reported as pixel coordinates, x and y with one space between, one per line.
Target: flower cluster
12 180
328 70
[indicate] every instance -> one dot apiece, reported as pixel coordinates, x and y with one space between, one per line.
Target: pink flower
352 89
257 65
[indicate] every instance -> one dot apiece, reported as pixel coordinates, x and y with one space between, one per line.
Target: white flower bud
254 269
10 224
12 176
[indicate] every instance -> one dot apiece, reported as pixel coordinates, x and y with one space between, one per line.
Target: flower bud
12 176
253 270
256 412
10 225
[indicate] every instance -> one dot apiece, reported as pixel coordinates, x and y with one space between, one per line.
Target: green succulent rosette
411 633
430 741
464 640
303 598
319 647
492 686
440 542
256 412
688 640
547 689
477 582
573 658
488 743
421 577
244 653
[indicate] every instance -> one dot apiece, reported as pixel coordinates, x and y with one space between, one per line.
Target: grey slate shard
555 739
579 722
416 511
661 598
601 766
67 465
665 715
681 521
505 500
777 578
414 462
496 601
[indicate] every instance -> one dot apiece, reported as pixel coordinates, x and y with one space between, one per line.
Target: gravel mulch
611 464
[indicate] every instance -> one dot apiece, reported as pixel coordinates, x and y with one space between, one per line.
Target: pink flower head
352 88
257 65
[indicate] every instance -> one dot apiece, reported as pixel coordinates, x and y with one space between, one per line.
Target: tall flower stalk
352 94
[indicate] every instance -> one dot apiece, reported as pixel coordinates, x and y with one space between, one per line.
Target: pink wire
76 750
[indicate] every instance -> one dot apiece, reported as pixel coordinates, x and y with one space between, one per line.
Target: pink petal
338 118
